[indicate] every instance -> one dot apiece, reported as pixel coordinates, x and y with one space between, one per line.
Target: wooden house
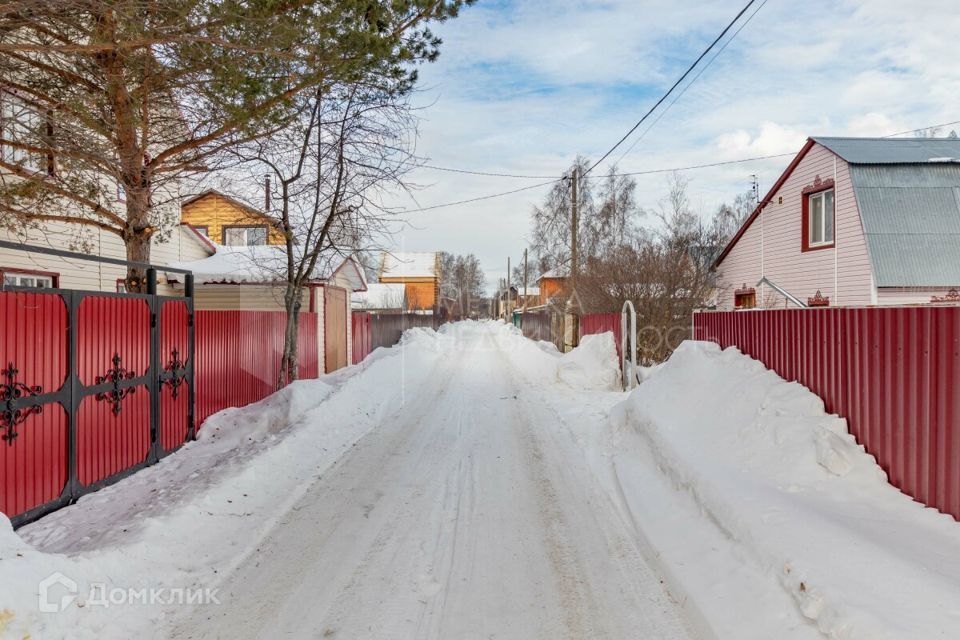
551 285
228 221
419 272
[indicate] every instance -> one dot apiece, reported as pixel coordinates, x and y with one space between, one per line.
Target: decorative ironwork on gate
11 394
81 402
116 395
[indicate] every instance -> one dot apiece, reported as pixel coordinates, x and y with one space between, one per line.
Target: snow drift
781 486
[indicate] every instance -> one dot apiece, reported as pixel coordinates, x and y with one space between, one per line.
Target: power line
693 81
671 89
483 173
933 126
632 173
489 197
705 166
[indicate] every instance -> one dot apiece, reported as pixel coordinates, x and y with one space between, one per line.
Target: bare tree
463 280
330 168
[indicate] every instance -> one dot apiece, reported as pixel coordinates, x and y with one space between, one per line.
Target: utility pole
509 311
524 281
572 320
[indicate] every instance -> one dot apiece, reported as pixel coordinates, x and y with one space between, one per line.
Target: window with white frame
244 236
21 123
820 211
26 279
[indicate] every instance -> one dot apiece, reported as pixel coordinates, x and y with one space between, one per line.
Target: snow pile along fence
386 328
893 373
593 323
238 356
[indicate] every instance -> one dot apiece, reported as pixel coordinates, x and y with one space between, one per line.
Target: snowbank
181 525
592 366
757 489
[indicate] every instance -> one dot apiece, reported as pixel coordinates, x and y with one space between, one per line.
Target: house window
234 236
819 215
23 124
31 279
203 230
820 221
745 298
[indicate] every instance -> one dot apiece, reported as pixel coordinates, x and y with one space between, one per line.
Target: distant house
852 221
228 221
251 278
551 284
419 272
381 298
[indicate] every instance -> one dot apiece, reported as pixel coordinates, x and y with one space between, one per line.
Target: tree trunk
290 361
136 237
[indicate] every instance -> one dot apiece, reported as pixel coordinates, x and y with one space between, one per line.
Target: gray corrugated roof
892 150
911 218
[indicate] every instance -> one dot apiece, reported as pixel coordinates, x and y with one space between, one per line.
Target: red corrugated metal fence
592 323
362 336
893 373
238 356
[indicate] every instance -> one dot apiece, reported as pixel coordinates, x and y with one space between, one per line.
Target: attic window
244 236
819 215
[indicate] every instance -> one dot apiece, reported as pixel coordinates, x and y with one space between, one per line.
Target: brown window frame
818 187
226 227
747 293
53 275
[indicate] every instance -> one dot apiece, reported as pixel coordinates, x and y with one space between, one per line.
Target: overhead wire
672 88
692 82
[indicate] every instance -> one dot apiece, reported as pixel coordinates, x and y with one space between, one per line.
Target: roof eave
766 200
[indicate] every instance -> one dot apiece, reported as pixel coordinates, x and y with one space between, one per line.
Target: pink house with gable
851 222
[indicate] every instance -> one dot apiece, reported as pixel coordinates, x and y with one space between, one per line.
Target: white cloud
524 86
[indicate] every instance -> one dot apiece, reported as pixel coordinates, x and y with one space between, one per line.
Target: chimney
266 194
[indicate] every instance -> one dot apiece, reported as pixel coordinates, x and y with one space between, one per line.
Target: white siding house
861 221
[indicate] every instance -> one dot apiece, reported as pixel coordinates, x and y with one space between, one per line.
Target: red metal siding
33 470
893 373
109 442
361 335
238 356
174 412
592 323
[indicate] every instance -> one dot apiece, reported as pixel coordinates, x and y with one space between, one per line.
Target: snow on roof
381 296
553 273
261 264
409 264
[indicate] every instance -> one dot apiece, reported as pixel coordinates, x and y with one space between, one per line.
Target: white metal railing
786 294
629 377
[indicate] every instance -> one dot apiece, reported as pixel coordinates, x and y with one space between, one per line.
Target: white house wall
182 245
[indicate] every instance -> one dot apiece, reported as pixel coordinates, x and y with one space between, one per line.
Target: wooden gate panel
334 328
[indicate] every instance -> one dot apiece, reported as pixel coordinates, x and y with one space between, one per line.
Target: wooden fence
893 373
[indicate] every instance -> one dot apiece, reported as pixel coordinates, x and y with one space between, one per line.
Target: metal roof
911 219
893 150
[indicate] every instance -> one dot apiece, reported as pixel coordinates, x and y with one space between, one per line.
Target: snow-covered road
463 515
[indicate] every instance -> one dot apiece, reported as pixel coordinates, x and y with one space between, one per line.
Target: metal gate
93 387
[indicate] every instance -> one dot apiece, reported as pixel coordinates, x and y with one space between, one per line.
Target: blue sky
523 87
